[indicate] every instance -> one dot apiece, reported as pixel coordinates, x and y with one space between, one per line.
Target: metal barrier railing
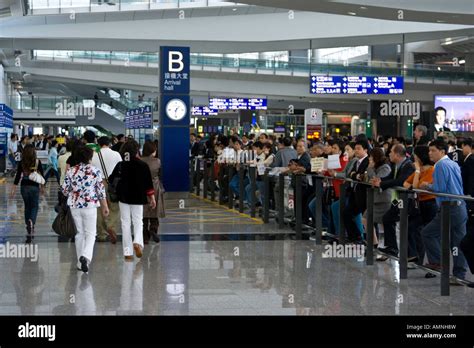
318 185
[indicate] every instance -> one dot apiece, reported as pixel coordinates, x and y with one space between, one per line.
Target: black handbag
63 224
113 185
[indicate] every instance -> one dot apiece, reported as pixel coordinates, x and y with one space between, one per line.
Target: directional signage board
238 103
356 84
139 118
203 111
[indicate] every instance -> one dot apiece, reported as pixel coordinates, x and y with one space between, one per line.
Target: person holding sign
358 193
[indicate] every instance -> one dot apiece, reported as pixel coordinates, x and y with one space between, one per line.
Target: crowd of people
104 182
438 164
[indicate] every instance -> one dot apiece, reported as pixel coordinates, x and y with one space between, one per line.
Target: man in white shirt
12 150
110 158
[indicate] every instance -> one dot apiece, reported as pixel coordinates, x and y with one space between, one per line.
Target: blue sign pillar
6 128
174 117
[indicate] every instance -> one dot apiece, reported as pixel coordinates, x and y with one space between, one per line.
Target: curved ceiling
435 11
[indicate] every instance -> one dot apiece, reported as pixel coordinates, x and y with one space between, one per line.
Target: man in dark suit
467 174
358 195
194 145
440 121
457 154
402 168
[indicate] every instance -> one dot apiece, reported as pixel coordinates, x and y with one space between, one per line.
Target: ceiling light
234 9
440 21
439 68
462 61
363 8
352 13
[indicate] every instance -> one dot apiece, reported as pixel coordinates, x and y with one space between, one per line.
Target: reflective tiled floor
237 267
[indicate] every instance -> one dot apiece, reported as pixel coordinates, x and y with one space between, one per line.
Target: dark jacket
457 156
359 191
467 173
305 161
135 182
195 149
405 170
117 146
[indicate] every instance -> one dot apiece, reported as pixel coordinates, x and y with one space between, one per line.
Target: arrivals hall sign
174 117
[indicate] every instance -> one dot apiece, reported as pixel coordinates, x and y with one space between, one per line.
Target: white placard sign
333 162
317 164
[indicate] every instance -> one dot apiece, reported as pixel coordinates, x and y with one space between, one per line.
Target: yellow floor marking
228 209
217 223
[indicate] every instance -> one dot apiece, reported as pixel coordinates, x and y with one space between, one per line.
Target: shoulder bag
35 176
111 186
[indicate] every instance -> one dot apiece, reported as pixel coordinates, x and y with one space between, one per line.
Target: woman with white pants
134 189
86 192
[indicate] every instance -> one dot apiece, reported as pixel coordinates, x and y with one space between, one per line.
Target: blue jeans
30 195
12 161
248 192
427 212
335 219
312 211
48 173
432 239
234 184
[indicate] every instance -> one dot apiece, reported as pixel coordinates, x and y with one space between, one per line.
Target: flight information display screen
238 103
203 111
356 84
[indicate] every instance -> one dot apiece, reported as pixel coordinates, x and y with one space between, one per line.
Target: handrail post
198 176
445 246
223 171
403 260
342 206
266 197
253 185
319 210
297 197
369 260
281 200
230 193
241 188
191 174
213 182
206 180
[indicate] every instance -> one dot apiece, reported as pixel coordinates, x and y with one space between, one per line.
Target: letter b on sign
175 61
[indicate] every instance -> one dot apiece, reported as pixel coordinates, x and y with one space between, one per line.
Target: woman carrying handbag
30 171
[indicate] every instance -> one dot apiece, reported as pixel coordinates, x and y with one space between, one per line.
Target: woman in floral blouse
85 191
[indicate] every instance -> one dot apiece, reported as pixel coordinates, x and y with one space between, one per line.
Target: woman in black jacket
134 189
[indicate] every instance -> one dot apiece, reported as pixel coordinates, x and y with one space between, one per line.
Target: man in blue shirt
446 179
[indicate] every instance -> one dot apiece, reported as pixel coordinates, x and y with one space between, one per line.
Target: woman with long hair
379 167
30 190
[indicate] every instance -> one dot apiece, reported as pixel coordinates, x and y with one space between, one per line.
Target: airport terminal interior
207 157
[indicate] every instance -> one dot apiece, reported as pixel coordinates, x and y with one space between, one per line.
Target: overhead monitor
454 113
320 84
238 103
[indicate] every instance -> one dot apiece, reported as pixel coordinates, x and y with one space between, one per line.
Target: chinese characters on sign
356 84
203 111
139 118
238 104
